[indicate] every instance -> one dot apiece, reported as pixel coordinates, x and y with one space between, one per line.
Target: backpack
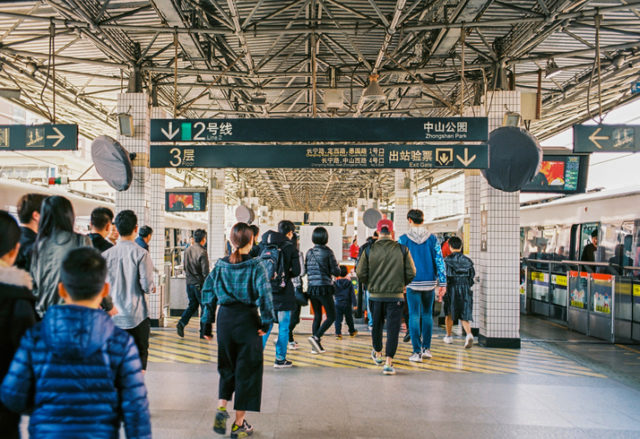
272 257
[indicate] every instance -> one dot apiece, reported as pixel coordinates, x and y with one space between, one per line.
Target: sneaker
314 352
407 338
282 364
293 345
339 337
315 345
388 370
180 329
468 341
416 357
244 430
322 350
447 339
220 423
353 334
426 353
376 359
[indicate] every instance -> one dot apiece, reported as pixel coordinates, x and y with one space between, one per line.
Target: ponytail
235 257
241 236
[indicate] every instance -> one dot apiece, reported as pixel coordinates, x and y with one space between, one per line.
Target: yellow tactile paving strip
166 346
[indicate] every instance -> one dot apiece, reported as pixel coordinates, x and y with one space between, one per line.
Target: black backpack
272 257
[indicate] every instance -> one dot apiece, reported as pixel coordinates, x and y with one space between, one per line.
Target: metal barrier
585 295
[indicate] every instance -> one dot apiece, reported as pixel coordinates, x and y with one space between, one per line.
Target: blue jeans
284 318
420 306
369 317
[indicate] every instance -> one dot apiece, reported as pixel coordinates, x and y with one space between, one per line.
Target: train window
586 230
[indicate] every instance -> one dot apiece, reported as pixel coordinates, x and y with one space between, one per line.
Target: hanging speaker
244 215
370 218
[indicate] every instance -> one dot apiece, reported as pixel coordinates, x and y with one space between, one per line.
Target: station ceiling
264 58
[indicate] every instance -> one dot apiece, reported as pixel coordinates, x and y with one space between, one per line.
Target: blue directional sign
409 129
606 138
354 156
55 137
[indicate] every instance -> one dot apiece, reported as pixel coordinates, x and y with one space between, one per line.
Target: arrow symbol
594 137
171 134
58 136
467 160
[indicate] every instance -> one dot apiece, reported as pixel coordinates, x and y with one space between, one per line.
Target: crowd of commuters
76 326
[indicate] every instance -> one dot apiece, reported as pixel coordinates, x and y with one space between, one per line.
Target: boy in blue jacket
345 298
77 372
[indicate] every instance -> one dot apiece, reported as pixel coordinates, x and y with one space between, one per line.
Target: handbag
302 298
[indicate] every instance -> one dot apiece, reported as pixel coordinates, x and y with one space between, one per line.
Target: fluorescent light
10 93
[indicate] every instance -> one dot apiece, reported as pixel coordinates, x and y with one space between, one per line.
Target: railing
589 296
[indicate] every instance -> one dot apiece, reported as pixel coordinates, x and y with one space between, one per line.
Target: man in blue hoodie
430 272
79 374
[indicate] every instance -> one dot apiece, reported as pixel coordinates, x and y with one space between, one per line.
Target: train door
586 231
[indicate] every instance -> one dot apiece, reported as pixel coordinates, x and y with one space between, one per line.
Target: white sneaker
416 357
468 341
426 353
293 345
447 339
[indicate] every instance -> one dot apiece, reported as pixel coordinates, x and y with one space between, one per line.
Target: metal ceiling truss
231 52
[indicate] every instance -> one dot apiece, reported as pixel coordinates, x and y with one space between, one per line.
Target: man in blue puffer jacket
79 374
430 272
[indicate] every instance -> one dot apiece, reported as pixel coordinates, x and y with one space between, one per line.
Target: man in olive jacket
386 268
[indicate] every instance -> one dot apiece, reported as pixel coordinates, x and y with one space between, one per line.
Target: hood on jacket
76 331
16 277
458 262
418 234
273 237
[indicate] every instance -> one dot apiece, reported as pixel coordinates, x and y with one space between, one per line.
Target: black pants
140 336
9 423
194 293
295 319
317 302
344 310
240 356
392 313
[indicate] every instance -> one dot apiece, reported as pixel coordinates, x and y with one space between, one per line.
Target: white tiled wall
402 203
216 234
497 301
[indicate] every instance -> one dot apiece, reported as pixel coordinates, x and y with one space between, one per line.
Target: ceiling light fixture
125 124
552 69
374 92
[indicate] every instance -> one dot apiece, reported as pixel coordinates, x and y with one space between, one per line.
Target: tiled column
156 221
363 232
216 238
402 201
140 197
497 263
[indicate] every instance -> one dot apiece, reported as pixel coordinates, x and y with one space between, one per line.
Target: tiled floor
481 393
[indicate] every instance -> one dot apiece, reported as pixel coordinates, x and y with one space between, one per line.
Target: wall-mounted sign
186 200
312 156
55 137
606 138
410 129
484 229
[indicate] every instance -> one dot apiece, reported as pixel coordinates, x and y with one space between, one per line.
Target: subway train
563 226
177 228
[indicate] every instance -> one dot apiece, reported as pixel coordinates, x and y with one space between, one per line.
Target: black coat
284 300
460 279
320 264
17 314
27 239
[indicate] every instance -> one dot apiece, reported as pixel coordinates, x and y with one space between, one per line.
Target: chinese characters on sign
446 130
312 156
409 129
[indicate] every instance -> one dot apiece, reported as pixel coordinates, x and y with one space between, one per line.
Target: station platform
540 390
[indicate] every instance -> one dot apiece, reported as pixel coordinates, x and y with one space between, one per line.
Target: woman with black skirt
240 285
321 265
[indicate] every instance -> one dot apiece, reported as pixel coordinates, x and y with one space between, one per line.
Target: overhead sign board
55 137
606 138
313 156
415 129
